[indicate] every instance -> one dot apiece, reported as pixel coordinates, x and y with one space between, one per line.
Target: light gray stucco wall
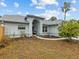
12 29
53 30
40 27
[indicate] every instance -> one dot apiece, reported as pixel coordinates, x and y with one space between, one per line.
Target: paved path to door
49 38
54 38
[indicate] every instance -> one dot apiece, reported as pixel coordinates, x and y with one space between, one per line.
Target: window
44 28
21 27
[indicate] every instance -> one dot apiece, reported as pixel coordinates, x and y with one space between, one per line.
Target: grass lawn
34 48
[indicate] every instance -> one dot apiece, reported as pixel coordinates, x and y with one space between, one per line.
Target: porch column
41 28
30 29
30 20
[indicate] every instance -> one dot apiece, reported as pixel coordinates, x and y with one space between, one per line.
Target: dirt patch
34 48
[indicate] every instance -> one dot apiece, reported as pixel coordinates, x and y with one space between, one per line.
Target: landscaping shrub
69 29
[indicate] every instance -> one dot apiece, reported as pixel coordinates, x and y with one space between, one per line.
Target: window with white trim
44 28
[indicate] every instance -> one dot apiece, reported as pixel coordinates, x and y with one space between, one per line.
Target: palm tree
65 8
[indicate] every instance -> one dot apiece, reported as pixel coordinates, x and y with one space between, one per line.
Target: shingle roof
22 19
35 16
14 18
49 22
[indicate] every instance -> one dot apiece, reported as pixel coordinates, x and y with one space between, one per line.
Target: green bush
69 29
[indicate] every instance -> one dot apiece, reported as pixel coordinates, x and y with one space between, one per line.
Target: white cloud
2 4
49 13
74 1
49 2
19 13
9 11
2 0
22 13
16 4
73 9
26 13
40 7
42 3
34 1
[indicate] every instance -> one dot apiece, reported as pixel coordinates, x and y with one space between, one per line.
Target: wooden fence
2 33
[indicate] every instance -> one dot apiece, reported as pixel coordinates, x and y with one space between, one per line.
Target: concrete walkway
54 38
49 38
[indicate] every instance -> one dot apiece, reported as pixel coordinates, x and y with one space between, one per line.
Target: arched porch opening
35 27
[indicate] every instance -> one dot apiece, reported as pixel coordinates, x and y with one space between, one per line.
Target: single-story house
16 25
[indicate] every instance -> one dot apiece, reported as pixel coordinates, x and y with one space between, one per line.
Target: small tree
69 29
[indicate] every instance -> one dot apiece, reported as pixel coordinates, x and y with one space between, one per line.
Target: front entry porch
35 27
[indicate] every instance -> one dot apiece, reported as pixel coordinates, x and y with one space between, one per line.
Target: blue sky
44 8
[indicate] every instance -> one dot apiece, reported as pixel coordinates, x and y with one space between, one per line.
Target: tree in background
69 29
65 9
78 21
53 18
0 16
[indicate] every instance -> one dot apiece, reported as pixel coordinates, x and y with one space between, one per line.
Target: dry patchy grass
33 48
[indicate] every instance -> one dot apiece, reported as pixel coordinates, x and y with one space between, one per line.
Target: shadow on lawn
4 44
